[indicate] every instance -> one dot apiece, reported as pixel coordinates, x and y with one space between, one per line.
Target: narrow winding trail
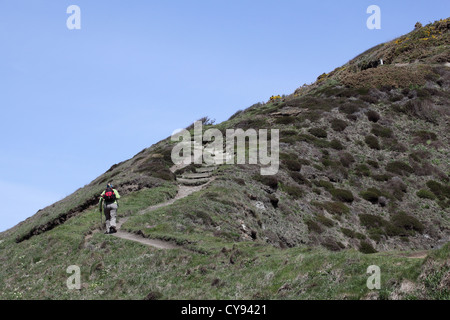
188 183
183 191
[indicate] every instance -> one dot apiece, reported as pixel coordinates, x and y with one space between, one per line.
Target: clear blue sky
137 70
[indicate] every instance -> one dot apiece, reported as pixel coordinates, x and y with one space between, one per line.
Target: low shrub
273 200
420 108
381 131
287 156
372 142
407 222
366 247
270 181
348 232
311 115
318 132
395 231
288 132
332 245
371 221
305 162
338 125
251 124
299 178
292 165
285 120
423 136
314 226
293 191
325 221
399 167
327 185
373 163
342 195
157 168
381 177
395 97
372 195
376 234
346 159
370 99
419 155
330 163
425 194
334 207
353 234
440 191
373 116
362 170
239 181
396 188
394 145
349 108
336 144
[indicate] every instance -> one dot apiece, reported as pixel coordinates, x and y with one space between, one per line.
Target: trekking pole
101 216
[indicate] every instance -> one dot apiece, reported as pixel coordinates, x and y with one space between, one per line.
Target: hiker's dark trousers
110 214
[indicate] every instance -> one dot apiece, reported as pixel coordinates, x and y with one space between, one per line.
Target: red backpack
109 195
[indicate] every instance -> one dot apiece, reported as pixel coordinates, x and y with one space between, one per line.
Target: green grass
215 268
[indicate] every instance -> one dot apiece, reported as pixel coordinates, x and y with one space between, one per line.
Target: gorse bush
277 97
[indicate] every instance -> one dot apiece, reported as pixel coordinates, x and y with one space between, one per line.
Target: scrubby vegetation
363 179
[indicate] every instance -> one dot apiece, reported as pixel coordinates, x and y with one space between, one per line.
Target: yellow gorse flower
275 97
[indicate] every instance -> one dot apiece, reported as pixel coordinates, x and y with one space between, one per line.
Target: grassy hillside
363 180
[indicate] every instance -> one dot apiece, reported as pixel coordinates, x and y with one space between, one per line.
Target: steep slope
364 168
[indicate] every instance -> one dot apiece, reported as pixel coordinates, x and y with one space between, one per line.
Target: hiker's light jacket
100 203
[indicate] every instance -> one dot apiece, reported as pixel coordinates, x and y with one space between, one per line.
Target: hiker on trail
108 202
